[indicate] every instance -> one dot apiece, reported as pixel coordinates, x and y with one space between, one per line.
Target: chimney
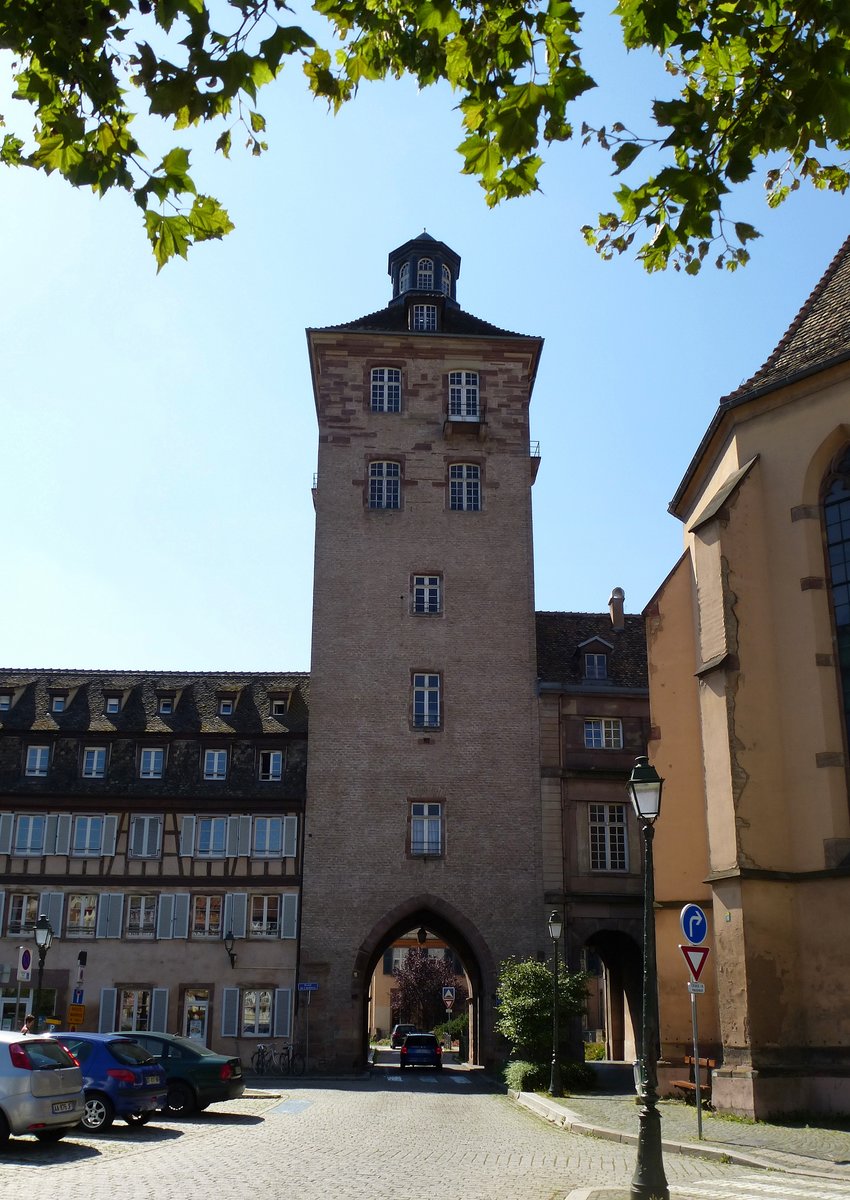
615 608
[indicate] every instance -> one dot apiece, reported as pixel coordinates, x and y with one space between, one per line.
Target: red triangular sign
695 957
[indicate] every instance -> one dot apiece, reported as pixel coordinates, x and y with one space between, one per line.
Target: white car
41 1088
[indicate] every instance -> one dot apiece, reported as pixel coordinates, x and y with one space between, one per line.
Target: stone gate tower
423 778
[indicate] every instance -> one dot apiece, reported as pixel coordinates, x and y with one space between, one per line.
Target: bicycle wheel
281 1062
258 1061
296 1063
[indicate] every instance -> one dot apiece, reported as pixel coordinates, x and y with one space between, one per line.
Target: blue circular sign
694 924
26 959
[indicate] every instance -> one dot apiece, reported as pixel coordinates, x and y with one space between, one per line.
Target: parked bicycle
269 1059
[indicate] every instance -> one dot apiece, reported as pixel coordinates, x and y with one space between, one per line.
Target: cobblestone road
421 1136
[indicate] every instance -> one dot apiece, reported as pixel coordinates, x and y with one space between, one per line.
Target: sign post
448 1000
695 926
309 988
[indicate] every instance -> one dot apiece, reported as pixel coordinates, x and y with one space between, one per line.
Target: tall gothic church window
837 519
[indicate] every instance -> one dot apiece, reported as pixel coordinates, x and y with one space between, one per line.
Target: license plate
64 1106
154 1080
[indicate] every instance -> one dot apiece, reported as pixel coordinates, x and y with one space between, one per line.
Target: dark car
399 1033
421 1050
196 1077
120 1079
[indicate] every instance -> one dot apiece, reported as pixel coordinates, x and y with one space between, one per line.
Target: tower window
423 318
404 277
463 395
426 829
386 389
464 487
384 485
427 594
603 733
446 281
426 701
608 837
425 275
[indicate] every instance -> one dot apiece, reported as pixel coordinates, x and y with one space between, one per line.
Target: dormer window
5 701
596 666
58 701
225 706
280 705
423 318
446 281
111 704
425 275
165 706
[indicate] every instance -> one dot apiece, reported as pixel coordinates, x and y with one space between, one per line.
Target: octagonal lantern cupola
424 267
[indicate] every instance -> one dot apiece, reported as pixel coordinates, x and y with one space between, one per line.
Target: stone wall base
761 1095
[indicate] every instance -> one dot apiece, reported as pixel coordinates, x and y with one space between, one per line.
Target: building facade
157 821
594 721
749 682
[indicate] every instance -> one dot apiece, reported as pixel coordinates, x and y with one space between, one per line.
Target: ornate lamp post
555 926
649 1181
43 941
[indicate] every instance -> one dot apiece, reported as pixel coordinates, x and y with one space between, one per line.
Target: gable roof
817 338
561 635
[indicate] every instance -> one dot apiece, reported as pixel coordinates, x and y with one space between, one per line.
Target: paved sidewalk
792 1149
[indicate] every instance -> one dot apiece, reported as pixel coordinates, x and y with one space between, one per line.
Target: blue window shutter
165 916
7 821
110 834
289 915
187 837
180 928
50 903
230 1012
290 837
63 833
159 1010
282 1012
108 1000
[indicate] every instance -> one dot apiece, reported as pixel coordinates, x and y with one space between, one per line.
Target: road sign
448 996
696 989
76 1014
24 964
694 923
308 987
695 957
77 996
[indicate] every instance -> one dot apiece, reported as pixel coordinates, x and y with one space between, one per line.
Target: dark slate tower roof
423 271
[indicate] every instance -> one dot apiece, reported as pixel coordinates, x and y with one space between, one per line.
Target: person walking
29 1024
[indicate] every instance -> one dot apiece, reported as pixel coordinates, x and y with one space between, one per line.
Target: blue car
120 1079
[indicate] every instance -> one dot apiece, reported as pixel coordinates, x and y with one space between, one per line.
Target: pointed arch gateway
439 917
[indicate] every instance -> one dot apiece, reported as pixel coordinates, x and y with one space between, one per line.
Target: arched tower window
836 510
425 275
446 281
404 277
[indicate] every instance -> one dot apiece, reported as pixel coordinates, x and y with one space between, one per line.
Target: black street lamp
649 1181
43 941
555 926
229 943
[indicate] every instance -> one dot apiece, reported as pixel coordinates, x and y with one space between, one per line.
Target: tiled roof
393 319
560 648
818 336
195 708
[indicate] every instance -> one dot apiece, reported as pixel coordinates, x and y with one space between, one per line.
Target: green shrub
594 1051
577 1077
522 1076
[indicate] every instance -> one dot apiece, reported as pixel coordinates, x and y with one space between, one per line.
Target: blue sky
159 433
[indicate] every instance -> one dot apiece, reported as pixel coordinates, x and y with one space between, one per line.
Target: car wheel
99 1112
4 1132
181 1100
138 1118
51 1135
203 1107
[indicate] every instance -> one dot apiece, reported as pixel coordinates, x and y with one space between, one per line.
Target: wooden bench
689 1086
